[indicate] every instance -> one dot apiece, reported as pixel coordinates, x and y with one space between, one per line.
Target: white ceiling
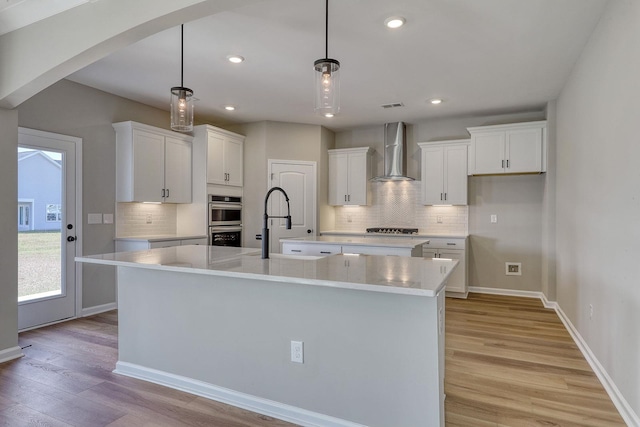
480 56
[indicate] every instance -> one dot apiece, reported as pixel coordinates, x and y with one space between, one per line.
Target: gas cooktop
392 230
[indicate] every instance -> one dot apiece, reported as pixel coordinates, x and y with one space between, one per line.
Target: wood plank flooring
509 362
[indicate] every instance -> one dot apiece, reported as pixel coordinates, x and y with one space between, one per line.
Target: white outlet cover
494 219
517 267
297 351
94 218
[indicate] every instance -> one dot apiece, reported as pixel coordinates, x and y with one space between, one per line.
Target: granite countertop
388 274
357 241
160 238
392 236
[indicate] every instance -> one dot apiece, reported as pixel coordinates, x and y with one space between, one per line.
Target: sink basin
287 256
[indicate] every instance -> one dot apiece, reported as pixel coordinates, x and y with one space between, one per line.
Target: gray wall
8 229
282 141
517 200
598 196
72 109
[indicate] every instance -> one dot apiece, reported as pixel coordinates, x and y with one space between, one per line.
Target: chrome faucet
265 230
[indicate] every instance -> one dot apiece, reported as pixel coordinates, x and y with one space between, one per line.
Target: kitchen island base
370 358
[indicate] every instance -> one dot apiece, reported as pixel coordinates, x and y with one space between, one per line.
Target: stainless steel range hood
395 146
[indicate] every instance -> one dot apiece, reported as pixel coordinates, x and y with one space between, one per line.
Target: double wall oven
225 220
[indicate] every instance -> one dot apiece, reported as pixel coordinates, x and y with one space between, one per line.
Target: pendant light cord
326 30
182 55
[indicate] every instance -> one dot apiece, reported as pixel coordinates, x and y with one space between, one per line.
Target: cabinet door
215 159
455 175
429 253
233 158
338 176
148 166
489 153
357 180
524 150
457 281
433 176
177 171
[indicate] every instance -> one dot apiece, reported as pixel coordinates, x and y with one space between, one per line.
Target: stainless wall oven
225 220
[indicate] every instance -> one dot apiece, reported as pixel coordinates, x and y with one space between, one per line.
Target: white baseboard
267 407
626 412
10 354
97 309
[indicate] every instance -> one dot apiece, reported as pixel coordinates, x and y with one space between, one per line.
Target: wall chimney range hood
395 146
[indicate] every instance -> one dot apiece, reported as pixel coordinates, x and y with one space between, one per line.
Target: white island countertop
358 241
387 274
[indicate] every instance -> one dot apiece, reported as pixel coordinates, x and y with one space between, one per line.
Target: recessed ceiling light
229 107
394 22
328 115
236 59
435 101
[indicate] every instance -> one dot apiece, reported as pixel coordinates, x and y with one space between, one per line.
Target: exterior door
47 165
298 179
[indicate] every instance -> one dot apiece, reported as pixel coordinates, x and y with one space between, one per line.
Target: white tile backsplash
131 219
398 204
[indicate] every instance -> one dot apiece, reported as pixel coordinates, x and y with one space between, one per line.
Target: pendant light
327 78
181 98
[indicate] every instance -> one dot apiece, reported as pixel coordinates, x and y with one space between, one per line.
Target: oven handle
224 228
225 206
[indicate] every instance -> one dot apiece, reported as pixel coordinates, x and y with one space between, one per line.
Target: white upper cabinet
152 164
444 172
349 174
508 149
224 156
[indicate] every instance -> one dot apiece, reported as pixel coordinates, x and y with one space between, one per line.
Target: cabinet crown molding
367 150
508 126
130 125
465 141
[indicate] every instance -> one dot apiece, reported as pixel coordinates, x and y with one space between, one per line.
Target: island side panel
372 358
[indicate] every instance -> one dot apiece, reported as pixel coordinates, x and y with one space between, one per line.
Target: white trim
249 402
10 353
44 325
79 222
97 309
626 412
621 404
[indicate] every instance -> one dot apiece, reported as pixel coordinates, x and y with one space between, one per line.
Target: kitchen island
220 322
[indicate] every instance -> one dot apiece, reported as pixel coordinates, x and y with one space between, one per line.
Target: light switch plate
94 218
107 218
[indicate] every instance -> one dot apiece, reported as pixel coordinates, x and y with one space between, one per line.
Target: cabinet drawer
376 250
164 244
202 241
444 243
309 249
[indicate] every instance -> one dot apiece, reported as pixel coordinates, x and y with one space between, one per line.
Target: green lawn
39 265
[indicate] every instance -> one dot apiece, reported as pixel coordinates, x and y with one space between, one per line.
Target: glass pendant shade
181 109
327 87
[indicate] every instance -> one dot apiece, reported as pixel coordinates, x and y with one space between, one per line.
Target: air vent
394 105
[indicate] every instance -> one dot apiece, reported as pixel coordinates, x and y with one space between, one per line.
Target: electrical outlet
149 219
513 268
297 351
590 311
439 219
494 219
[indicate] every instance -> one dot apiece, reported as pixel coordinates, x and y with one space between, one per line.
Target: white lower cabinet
310 249
289 248
453 249
141 244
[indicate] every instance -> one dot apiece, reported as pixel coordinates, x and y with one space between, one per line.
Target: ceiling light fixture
229 107
181 98
327 78
236 59
435 101
394 22
328 115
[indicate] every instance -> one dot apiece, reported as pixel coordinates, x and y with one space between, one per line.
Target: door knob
71 239
309 231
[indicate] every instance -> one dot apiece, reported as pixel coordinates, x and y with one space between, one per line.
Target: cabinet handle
162 193
440 196
345 197
296 250
507 163
325 252
167 193
445 196
349 197
451 244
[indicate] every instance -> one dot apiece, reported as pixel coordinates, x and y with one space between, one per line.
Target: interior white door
47 166
298 179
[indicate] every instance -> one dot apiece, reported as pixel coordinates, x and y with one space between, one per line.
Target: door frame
78 212
311 163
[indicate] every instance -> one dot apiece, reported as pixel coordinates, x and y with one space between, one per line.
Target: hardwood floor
509 362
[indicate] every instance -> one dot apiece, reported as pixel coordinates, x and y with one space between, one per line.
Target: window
24 214
54 213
